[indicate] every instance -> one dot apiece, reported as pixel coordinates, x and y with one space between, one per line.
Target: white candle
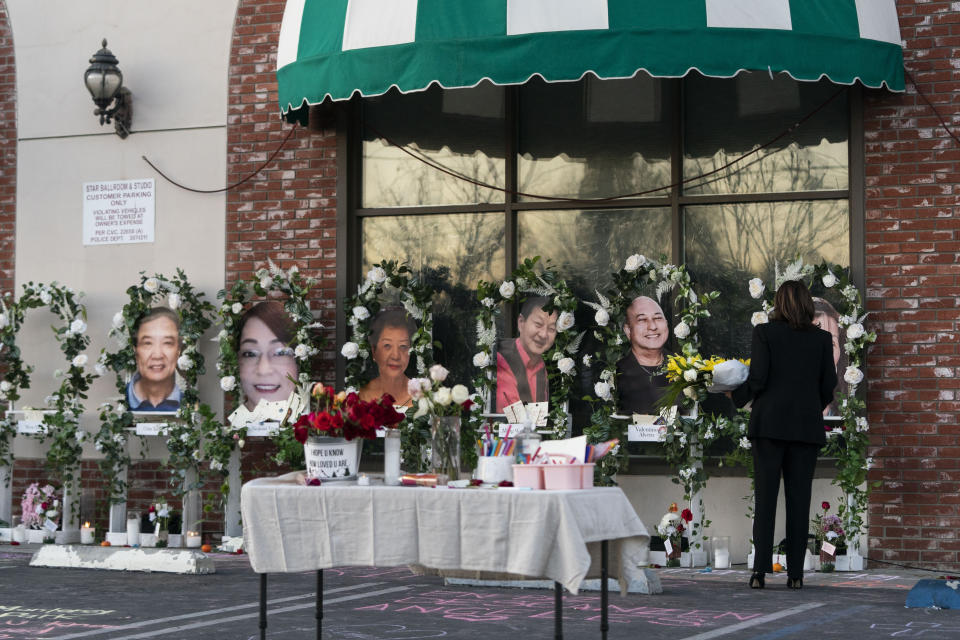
133 531
193 540
721 559
363 480
86 534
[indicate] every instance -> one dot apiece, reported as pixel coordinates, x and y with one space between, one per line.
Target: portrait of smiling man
521 371
639 383
156 346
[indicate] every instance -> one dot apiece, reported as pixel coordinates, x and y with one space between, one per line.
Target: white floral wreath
63 426
638 273
850 438
416 298
184 435
492 296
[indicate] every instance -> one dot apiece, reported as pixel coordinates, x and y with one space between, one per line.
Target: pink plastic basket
528 475
586 477
562 476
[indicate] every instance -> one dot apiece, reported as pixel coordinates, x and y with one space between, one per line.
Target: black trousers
795 462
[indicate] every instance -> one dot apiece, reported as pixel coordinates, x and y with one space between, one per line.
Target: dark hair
272 314
793 304
533 303
153 314
395 317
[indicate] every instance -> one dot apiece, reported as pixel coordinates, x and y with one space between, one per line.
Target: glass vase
445 446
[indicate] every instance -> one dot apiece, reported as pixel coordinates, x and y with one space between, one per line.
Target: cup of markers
495 458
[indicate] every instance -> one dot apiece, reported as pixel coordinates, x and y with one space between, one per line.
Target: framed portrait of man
521 368
157 346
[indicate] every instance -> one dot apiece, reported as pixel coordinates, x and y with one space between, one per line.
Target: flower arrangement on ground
40 508
671 528
827 528
159 514
344 415
444 405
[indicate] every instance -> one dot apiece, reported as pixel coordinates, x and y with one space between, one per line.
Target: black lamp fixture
105 83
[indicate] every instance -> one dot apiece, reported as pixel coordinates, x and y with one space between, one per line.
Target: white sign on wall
118 212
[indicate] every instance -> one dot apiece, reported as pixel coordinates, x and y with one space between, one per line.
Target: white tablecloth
288 527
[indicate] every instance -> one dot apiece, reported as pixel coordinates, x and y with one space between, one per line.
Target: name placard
263 429
30 427
151 429
645 432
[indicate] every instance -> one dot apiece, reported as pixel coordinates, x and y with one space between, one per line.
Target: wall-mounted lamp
105 83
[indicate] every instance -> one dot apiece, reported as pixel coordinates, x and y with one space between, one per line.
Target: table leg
557 611
263 606
319 613
604 557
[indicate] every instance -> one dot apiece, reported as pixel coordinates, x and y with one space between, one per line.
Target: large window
711 173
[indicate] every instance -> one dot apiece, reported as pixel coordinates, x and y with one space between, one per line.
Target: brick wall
8 151
913 286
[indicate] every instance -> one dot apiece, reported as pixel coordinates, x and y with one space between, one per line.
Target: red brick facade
8 151
913 287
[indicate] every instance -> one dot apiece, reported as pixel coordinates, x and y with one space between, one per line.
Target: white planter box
842 563
35 536
658 557
175 540
148 540
117 538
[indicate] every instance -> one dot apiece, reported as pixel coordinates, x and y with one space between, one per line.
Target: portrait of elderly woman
156 344
267 366
827 318
391 337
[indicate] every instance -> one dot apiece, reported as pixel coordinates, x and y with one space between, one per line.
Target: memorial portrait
267 365
521 369
640 384
157 346
391 340
827 318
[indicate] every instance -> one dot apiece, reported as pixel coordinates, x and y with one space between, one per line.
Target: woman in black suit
791 381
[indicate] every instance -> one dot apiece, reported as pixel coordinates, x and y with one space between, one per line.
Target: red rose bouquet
344 415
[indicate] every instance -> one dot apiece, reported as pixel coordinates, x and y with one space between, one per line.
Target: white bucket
332 458
495 469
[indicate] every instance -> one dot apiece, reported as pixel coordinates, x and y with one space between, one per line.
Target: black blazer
792 380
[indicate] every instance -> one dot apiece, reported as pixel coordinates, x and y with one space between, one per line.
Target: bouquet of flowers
40 508
692 377
827 528
159 515
434 398
344 415
671 528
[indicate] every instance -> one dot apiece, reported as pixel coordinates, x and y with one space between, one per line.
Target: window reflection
725 119
593 139
460 129
726 245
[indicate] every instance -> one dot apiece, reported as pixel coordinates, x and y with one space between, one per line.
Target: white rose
634 262
80 360
459 393
756 288
745 443
682 330
184 362
423 408
78 326
565 321
566 365
438 373
507 289
118 320
758 317
853 375
361 313
415 388
173 301
266 282
45 296
151 285
602 389
236 308
587 359
690 392
690 375
101 369
862 424
855 331
350 350
601 317
227 383
301 351
5 386
482 359
829 280
377 274
443 397
487 302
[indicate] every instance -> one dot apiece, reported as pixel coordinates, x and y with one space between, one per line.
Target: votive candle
86 533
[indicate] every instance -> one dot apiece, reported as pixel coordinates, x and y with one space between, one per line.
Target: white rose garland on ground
638 276
848 440
293 289
361 308
194 418
62 429
560 358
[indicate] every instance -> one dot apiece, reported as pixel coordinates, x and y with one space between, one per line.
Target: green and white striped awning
334 49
